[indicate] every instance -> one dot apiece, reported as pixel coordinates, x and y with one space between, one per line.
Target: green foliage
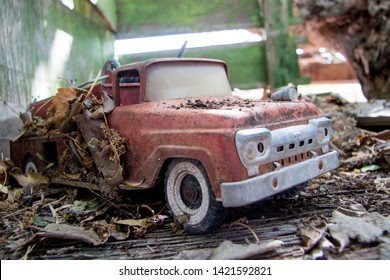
173 16
286 66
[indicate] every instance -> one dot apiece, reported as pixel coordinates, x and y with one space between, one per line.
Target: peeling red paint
160 131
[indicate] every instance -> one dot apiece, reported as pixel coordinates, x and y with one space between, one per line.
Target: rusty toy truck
211 149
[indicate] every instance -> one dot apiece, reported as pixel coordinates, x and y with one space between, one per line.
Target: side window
129 82
129 77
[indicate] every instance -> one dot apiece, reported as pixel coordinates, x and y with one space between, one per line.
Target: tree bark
360 29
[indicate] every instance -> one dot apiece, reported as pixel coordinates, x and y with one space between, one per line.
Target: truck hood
218 113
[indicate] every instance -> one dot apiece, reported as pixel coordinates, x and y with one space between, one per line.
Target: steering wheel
110 66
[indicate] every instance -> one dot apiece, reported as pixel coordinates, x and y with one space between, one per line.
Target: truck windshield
186 80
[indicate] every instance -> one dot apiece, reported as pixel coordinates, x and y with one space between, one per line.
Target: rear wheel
30 166
190 197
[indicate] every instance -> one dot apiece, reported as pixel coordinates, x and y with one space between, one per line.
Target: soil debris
213 104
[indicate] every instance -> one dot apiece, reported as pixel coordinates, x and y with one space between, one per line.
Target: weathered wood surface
270 220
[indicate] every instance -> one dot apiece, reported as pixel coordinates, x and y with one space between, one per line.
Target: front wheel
189 194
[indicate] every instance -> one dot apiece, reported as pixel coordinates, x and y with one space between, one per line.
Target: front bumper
236 194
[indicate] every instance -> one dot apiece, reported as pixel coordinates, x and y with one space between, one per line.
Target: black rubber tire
30 165
190 197
290 193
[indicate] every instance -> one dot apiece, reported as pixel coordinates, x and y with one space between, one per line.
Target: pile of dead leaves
94 150
33 213
359 149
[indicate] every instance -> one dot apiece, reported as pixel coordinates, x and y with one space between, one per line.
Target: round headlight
251 150
322 133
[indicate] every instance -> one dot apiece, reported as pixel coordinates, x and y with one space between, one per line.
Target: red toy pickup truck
212 149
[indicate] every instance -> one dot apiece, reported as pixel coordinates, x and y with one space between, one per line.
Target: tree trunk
360 29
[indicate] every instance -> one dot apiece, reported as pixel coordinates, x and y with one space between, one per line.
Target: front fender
164 153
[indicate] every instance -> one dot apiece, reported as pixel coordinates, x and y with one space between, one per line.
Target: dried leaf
97 114
39 222
366 229
133 223
312 234
73 176
93 131
108 103
4 167
62 231
60 104
32 179
68 121
3 192
371 167
356 210
79 206
230 251
384 248
112 171
383 135
116 231
197 254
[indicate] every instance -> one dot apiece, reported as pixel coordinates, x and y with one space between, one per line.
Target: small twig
104 198
12 109
105 119
337 149
248 227
93 85
66 80
150 248
16 212
90 141
29 250
162 209
53 212
5 177
116 155
80 89
20 134
148 207
55 202
74 141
